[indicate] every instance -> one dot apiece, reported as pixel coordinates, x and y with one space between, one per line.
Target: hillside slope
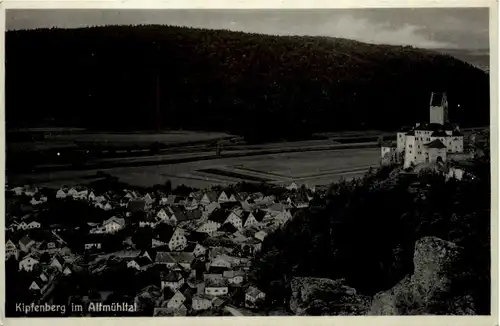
256 85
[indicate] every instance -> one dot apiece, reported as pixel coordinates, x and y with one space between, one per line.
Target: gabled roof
230 205
171 276
171 199
166 233
59 259
438 99
215 282
194 214
435 144
219 216
253 291
212 196
136 205
228 227
439 133
25 240
118 220
164 257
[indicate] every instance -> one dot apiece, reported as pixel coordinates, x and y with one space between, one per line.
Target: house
148 220
30 191
209 227
222 198
201 302
234 277
178 240
130 195
91 196
18 191
199 250
191 203
155 243
49 245
174 301
209 197
57 262
211 207
261 235
72 192
136 205
107 207
100 199
162 215
29 262
33 225
148 199
92 245
164 258
44 277
221 261
22 226
14 226
37 285
81 195
140 263
171 279
235 220
183 259
233 197
252 295
11 250
216 287
26 243
114 224
292 186
254 218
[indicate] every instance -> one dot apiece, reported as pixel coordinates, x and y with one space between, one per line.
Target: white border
272 4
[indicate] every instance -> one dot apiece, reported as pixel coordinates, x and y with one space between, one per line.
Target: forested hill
106 77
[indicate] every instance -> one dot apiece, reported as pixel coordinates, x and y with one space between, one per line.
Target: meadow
314 167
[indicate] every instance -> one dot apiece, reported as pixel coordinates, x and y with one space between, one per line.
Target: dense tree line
256 85
365 232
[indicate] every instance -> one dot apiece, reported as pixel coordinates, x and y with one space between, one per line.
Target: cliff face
322 296
431 289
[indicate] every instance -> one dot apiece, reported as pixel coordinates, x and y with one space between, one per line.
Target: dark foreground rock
322 296
430 290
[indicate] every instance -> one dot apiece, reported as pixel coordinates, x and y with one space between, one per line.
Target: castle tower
438 110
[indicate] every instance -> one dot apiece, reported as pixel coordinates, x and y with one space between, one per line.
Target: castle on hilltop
427 142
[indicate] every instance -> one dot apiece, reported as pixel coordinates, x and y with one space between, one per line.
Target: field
315 167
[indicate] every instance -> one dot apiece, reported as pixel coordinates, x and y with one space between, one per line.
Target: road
191 157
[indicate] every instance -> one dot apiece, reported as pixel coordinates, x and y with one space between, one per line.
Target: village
163 254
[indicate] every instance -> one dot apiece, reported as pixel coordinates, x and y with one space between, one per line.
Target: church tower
438 108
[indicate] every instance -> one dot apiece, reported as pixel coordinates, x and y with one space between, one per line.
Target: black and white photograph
248 162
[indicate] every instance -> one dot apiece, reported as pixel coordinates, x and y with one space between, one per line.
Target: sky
449 28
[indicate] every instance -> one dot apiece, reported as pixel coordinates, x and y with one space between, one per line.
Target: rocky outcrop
322 296
427 291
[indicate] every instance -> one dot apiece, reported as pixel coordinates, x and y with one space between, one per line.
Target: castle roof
405 129
435 144
439 133
438 99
